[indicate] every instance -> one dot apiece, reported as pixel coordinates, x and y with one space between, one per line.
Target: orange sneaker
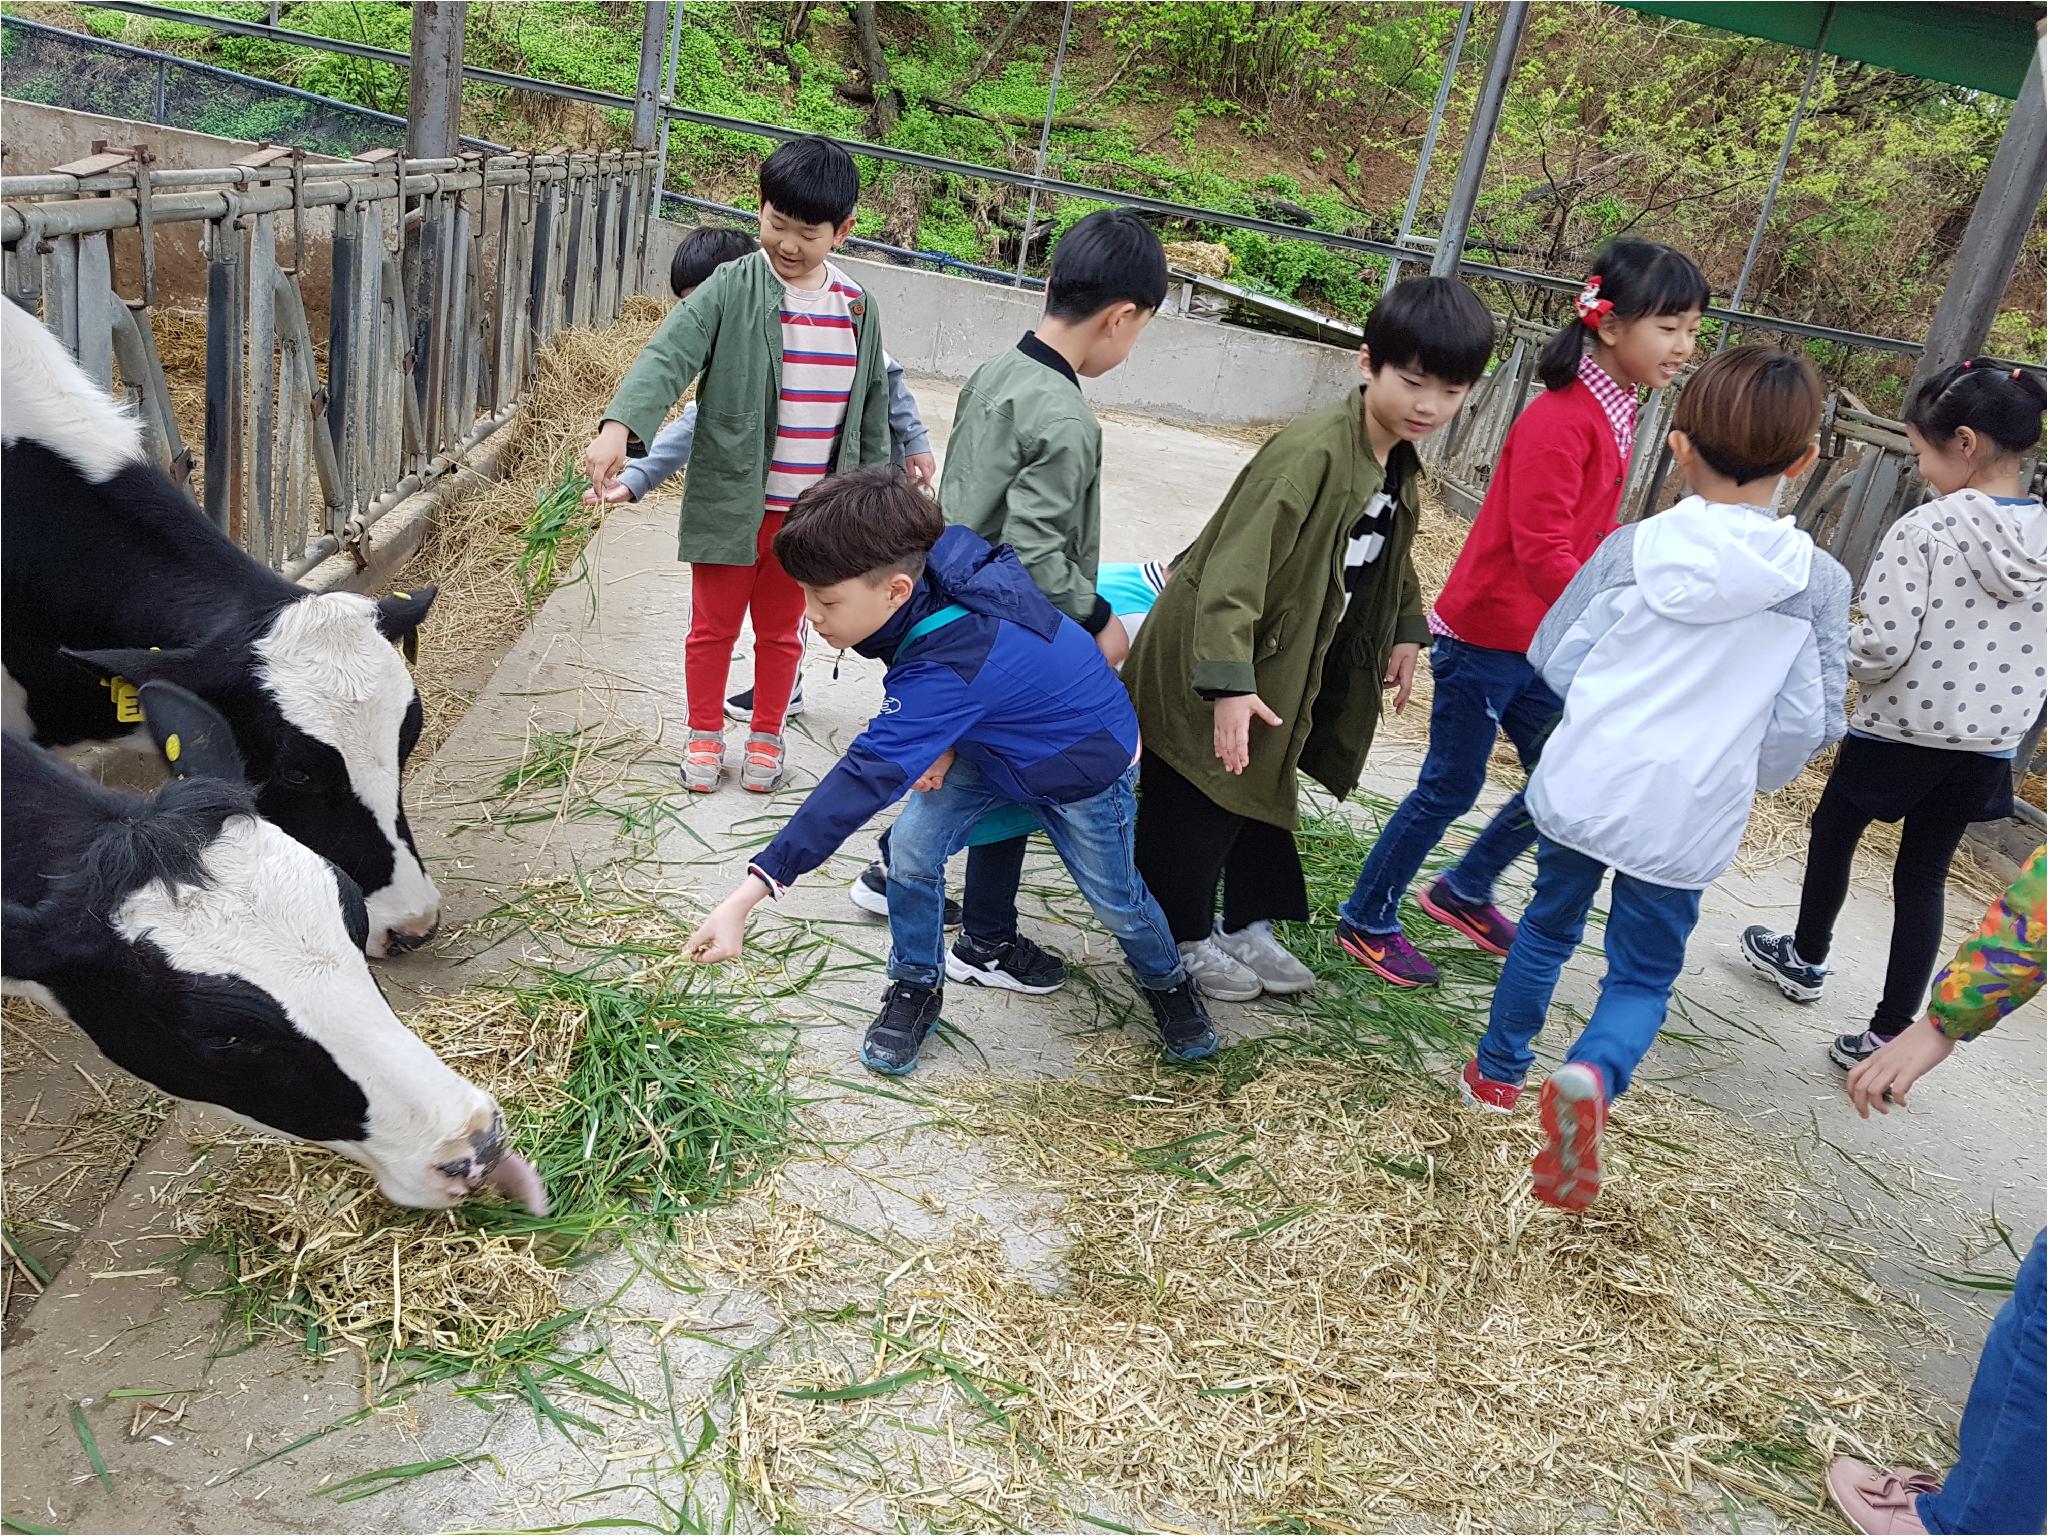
762 769
703 761
1573 1105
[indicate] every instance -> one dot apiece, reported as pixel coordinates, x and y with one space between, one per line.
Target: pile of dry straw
1341 1308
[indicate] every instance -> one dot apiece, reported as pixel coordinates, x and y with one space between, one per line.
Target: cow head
325 715
213 956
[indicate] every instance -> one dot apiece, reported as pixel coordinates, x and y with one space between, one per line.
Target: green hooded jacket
1258 606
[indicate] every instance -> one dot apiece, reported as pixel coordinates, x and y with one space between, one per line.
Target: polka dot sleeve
1894 602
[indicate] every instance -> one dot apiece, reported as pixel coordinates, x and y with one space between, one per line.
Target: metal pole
1450 244
433 127
1763 218
1052 96
668 96
1436 121
160 103
646 102
1998 228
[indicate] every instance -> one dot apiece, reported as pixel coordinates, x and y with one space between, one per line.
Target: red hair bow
1591 307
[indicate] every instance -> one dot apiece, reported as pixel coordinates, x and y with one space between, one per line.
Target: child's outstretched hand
1880 1080
723 934
1234 728
611 496
935 775
923 470
1401 674
605 456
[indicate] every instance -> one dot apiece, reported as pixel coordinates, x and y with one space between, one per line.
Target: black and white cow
110 576
211 955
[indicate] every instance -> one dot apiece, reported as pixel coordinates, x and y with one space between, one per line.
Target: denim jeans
1478 694
1093 838
1647 926
2001 1468
988 897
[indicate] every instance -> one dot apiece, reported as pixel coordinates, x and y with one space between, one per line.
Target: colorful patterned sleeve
1999 967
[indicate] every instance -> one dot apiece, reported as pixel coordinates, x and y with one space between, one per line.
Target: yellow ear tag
127 700
172 747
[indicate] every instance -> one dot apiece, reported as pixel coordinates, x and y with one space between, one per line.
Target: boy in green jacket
1268 650
789 349
1024 468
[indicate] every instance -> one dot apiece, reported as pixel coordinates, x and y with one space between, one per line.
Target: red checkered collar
1617 400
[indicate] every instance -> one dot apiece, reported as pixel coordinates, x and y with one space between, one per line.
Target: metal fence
442 279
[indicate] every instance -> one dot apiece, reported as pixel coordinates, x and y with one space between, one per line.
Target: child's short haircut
2003 404
1435 324
811 179
703 251
1637 278
870 522
1751 412
1110 257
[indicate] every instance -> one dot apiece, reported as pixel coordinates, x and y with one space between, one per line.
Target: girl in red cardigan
1553 497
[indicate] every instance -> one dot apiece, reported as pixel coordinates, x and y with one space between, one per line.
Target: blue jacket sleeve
927 708
906 428
669 452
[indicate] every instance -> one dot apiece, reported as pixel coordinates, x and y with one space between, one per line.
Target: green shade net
1985 46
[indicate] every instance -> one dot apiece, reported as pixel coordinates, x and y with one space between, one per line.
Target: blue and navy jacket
1016 687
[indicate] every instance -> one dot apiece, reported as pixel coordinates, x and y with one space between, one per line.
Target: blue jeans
1647 926
1093 837
2001 1469
988 896
1478 694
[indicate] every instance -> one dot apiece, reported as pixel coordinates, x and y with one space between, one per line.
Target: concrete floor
608 652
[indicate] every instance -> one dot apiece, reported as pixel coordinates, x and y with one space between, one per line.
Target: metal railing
443 278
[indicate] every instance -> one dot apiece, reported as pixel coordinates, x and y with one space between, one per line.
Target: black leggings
1927 843
1187 844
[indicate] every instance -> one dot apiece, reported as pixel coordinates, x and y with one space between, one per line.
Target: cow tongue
514 1178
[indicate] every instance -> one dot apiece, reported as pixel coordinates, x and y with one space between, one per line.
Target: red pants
720 597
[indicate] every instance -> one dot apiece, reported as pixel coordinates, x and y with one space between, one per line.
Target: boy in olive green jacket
792 389
1267 652
1024 468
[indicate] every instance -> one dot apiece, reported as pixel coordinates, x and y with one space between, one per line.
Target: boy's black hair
813 180
1110 257
1638 277
869 522
1435 324
703 251
2003 404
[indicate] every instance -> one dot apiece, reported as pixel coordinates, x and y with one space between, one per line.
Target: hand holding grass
923 470
723 934
605 456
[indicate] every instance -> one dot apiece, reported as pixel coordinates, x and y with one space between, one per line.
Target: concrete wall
1193 371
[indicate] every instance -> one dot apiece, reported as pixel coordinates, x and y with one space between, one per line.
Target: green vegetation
1308 112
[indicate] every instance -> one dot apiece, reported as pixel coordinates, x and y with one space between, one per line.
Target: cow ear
191 666
400 615
36 942
194 738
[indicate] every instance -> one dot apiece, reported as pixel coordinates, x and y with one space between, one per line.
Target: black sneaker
870 892
1852 1050
1183 1021
741 705
907 1016
1017 966
1771 954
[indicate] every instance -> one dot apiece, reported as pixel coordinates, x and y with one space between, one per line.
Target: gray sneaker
764 767
1267 958
1218 973
703 761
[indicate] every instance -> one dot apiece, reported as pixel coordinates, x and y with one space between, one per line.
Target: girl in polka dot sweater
1949 660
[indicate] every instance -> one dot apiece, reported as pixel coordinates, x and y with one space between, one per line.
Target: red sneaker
1484 1093
1566 1172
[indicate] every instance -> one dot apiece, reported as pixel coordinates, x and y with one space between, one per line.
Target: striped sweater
818 357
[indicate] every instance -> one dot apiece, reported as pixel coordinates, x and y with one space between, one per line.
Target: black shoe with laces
893 1040
1183 1021
1771 954
1016 966
870 892
741 705
1849 1051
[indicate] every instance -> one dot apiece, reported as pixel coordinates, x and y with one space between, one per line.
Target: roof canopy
1982 44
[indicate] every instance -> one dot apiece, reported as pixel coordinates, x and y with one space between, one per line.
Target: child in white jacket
1700 657
1949 659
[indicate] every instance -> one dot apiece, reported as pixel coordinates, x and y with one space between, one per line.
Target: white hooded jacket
1950 650
1699 655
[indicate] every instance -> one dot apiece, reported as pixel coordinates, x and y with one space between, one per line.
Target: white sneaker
1218 974
1267 958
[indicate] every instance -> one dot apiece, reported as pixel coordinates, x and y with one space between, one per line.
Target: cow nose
398 942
